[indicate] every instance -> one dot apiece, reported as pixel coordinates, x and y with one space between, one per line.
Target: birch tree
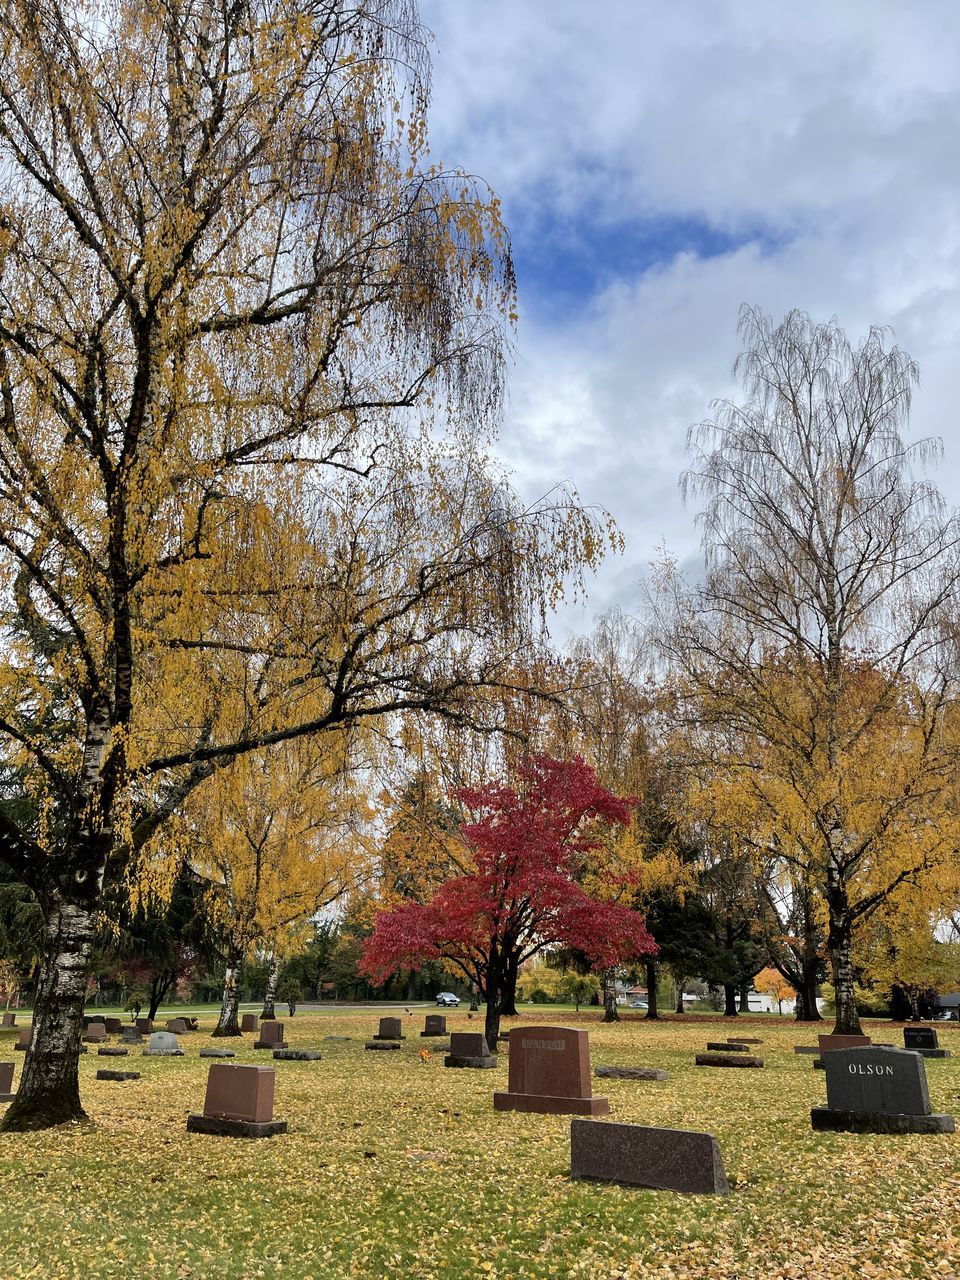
251 359
821 634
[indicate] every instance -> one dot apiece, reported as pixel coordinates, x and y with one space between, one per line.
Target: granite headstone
638 1156
876 1089
550 1073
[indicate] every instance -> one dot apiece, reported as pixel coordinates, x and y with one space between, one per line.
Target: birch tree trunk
49 1092
270 996
229 1023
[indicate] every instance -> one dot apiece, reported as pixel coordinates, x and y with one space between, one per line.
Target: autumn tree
819 632
523 895
251 356
771 982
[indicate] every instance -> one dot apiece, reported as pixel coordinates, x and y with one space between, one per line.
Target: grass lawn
397 1167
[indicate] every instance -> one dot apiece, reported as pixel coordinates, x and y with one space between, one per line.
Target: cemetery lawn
395 1166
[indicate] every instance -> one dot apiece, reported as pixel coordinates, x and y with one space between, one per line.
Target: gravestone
726 1046
114 1051
131 1035
271 1037
390 1029
144 1025
248 1022
238 1103
923 1040
638 1156
469 1049
163 1044
435 1024
630 1073
877 1090
113 1025
297 1055
218 1053
6 1082
105 1074
550 1073
829 1043
384 1045
807 1048
96 1033
8 1020
736 1058
23 1040
178 1026
744 1040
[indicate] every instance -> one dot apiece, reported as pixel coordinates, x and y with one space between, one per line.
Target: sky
660 163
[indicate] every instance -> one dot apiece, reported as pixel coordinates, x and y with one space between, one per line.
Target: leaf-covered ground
394 1166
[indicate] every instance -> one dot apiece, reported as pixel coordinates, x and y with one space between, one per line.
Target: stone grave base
382 1044
932 1053
828 1119
296 1055
435 1035
389 1038
223 1127
551 1106
630 1073
103 1074
218 1053
478 1064
728 1060
665 1159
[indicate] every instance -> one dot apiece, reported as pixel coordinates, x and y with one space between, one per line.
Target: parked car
637 1004
448 1000
947 1015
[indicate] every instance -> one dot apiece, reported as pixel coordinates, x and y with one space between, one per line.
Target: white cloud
823 135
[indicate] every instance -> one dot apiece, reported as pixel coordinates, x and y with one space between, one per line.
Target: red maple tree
530 845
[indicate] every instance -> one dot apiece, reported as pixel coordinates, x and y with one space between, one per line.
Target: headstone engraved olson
469 1049
238 1103
435 1024
923 1040
271 1037
877 1090
163 1044
665 1159
6 1082
550 1073
23 1041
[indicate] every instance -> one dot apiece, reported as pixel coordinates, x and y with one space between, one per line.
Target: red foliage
529 847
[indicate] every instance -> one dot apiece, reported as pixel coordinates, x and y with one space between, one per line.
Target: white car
448 1000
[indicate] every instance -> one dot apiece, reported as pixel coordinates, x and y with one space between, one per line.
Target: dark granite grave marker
8 1020
877 1090
238 1103
144 1025
271 1036
630 1073
112 1051
923 1040
728 1059
104 1074
435 1024
390 1029
384 1045
726 1046
6 1082
297 1055
249 1022
178 1026
665 1159
96 1033
550 1073
113 1025
469 1049
23 1040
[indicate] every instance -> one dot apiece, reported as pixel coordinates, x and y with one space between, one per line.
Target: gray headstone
875 1080
163 1044
667 1159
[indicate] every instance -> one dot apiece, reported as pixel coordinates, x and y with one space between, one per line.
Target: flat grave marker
550 1074
728 1058
630 1073
875 1089
105 1074
638 1156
